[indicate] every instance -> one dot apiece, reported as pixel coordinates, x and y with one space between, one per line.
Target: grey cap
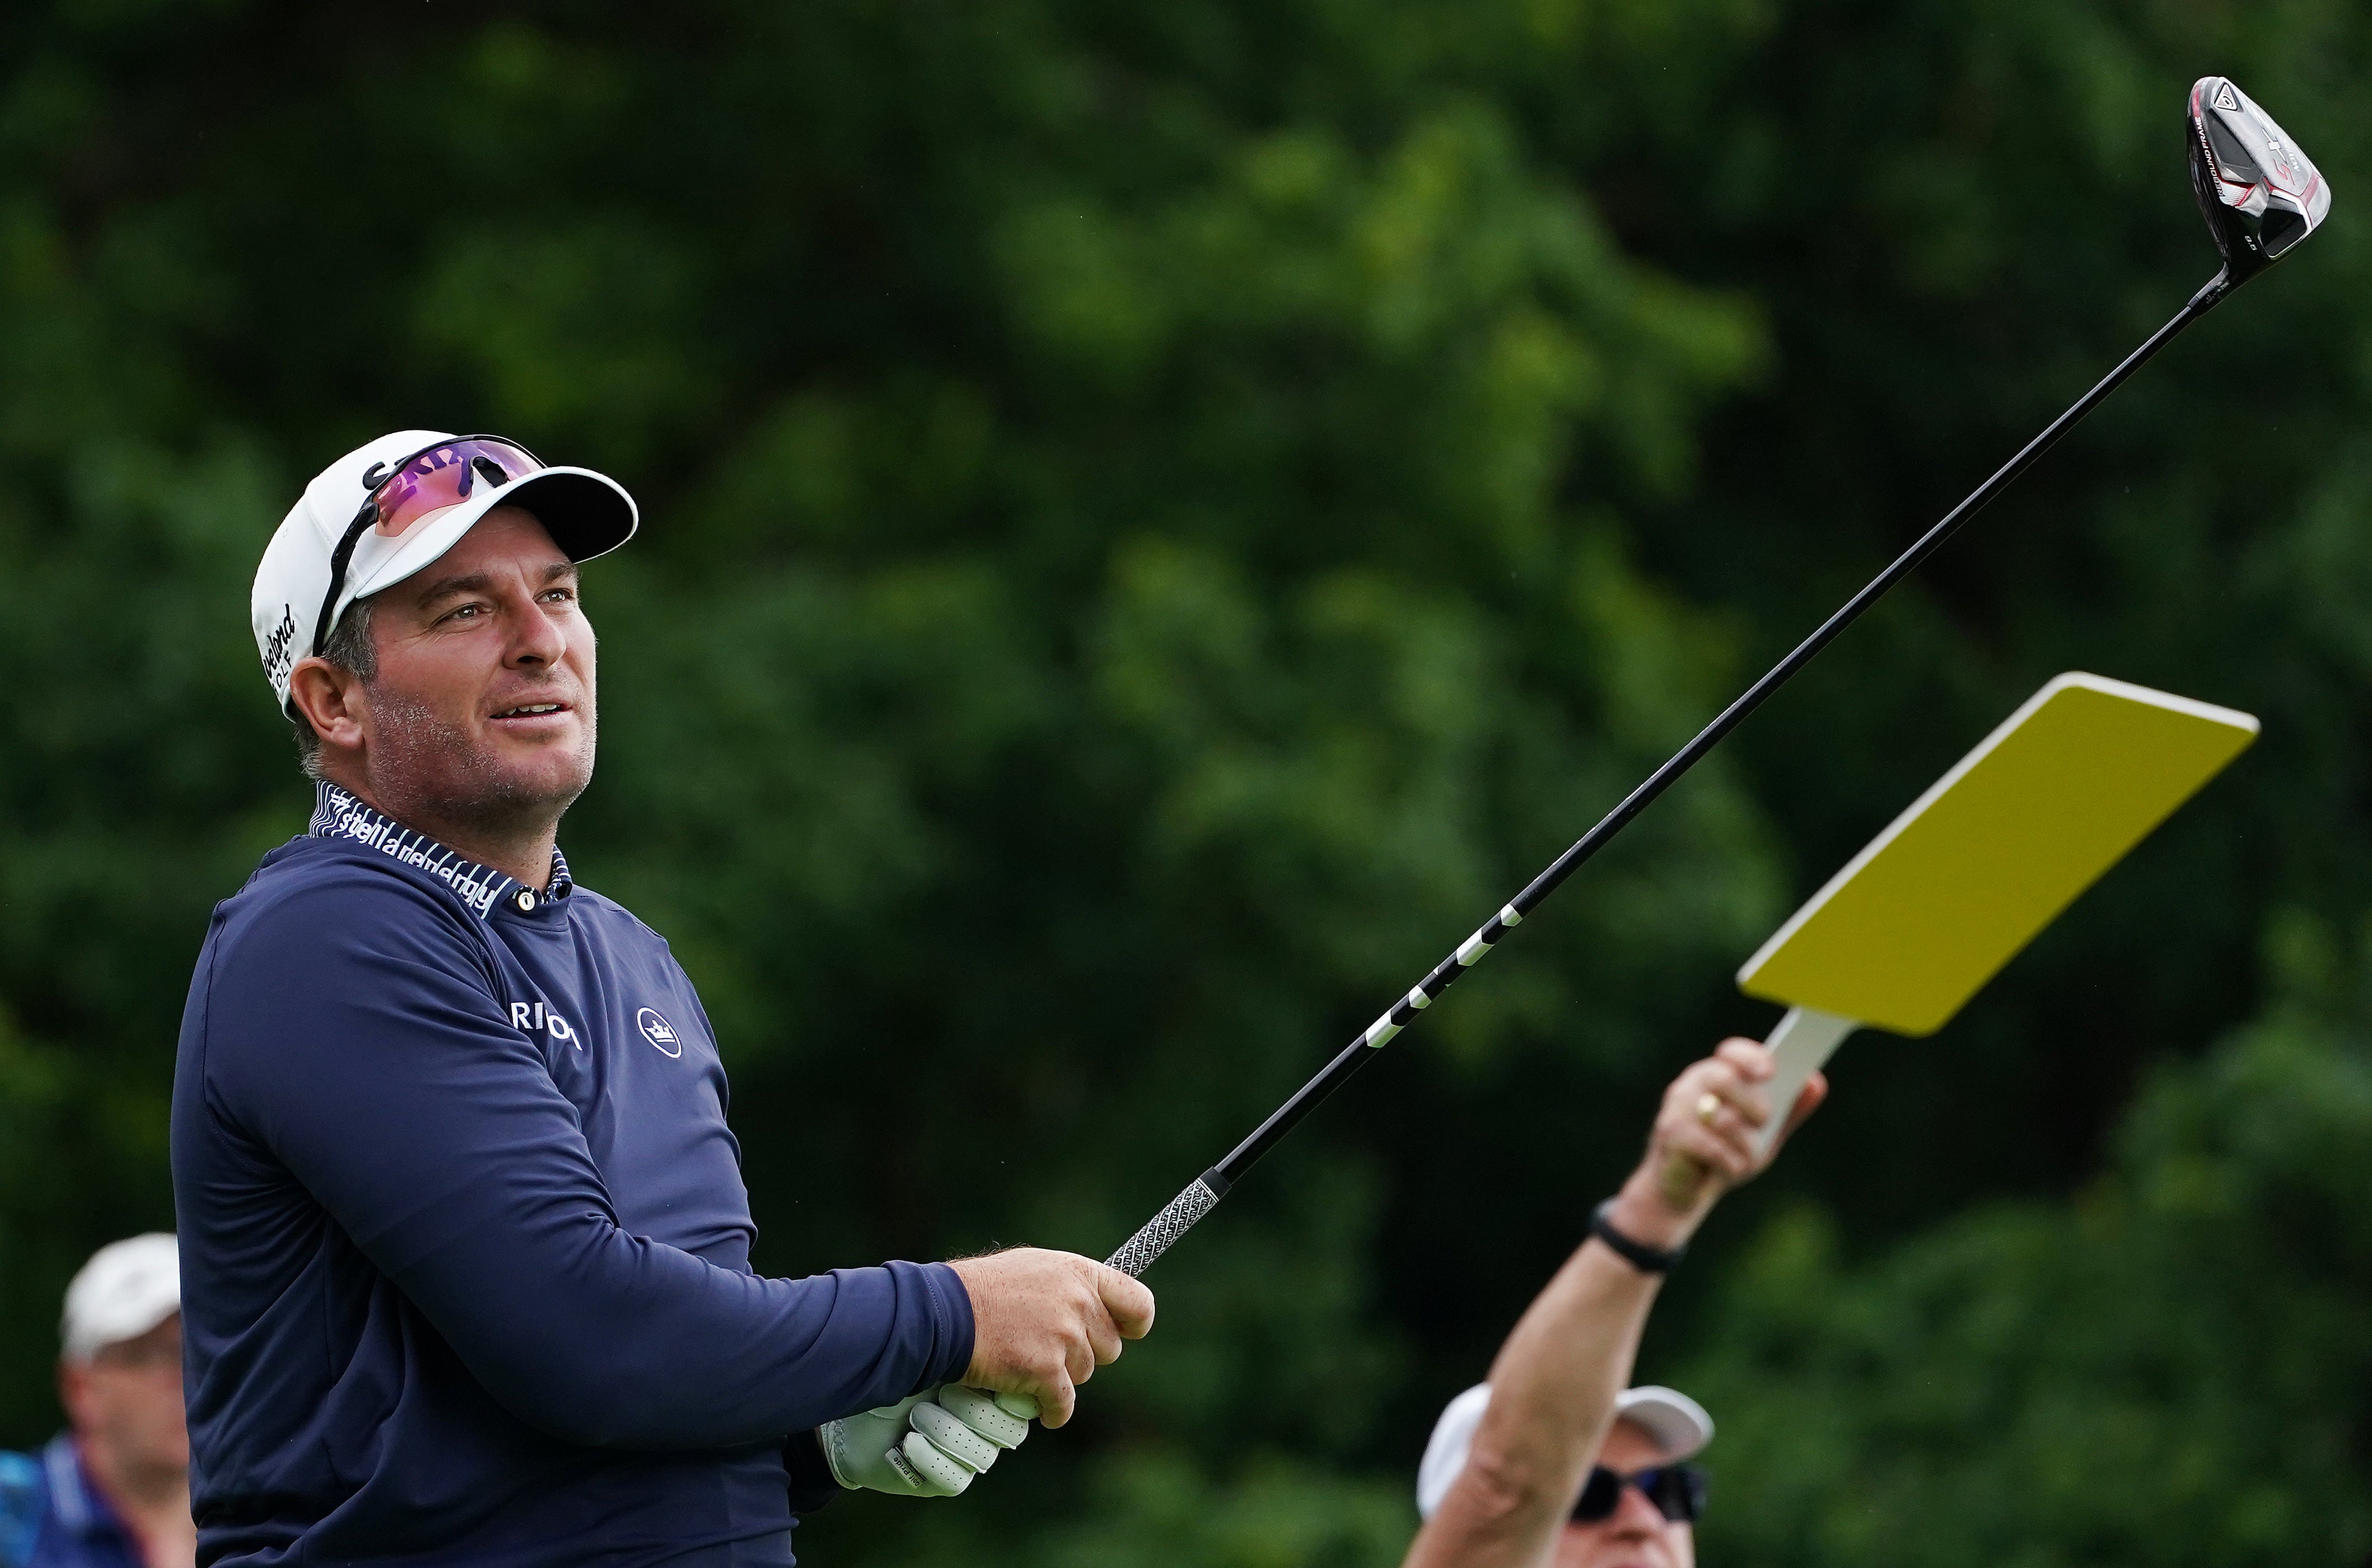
1676 1424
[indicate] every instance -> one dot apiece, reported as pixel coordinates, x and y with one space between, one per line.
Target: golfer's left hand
928 1445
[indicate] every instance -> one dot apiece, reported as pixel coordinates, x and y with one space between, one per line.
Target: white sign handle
1805 1038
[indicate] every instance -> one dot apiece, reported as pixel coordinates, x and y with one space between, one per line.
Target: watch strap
1638 1254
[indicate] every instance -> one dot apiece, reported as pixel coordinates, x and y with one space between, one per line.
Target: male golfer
1553 1461
464 1242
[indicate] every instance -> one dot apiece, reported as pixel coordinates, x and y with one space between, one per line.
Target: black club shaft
1160 1233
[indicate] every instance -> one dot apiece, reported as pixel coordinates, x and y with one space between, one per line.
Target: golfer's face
484 696
1636 1535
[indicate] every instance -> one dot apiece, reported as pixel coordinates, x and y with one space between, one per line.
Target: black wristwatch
1638 1254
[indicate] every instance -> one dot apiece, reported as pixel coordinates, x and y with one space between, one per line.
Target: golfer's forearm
684 1359
585 1331
1553 1390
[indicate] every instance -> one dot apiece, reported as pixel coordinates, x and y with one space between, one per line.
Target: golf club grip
1164 1228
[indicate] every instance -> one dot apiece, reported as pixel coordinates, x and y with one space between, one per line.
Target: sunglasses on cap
428 482
1676 1491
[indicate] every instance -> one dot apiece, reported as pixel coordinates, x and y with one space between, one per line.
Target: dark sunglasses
1676 1491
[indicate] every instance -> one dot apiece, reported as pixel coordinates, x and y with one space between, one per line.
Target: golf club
2260 196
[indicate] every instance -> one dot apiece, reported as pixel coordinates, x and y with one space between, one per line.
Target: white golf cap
126 1289
585 512
1676 1424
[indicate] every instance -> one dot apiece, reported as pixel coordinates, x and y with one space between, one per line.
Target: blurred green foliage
2172 1370
1159 519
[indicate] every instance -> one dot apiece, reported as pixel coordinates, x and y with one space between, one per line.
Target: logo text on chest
534 1018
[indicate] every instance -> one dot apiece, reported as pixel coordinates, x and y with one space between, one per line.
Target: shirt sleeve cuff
951 1322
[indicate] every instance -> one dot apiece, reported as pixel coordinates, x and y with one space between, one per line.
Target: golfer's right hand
1043 1321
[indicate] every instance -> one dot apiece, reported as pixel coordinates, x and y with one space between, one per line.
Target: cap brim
1676 1424
586 513
1446 1450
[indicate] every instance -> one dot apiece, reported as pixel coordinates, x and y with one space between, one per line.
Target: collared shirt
338 815
464 1242
53 1516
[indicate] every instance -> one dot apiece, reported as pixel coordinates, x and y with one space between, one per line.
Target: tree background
1159 519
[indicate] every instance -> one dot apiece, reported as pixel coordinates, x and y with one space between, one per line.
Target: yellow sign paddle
1979 865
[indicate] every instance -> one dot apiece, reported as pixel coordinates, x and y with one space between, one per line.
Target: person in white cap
1553 1461
113 1489
1638 1508
465 1241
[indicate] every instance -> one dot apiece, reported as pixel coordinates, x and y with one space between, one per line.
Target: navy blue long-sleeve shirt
464 1241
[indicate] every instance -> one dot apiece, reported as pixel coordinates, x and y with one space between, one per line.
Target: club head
2257 190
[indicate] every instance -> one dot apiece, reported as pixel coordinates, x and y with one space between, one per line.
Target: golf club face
2257 190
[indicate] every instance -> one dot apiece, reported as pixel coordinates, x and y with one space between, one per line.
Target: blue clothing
464 1243
52 1516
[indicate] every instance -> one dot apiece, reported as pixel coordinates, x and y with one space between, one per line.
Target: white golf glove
929 1445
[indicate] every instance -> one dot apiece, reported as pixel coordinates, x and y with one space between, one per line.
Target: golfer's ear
327 697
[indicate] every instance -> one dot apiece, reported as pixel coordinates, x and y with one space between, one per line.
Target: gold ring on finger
1708 1106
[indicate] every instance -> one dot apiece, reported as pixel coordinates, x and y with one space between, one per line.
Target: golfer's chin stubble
432 765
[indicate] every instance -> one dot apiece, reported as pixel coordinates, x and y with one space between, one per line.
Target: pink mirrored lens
446 476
